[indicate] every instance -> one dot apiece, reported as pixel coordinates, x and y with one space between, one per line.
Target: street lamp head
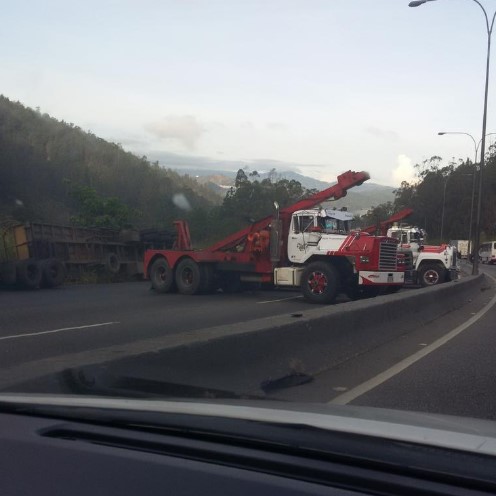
441 134
418 3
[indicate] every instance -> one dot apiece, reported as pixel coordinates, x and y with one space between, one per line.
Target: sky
318 86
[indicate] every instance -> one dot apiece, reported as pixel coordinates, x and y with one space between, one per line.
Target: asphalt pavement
100 325
458 378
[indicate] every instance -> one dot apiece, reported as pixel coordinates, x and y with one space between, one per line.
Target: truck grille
387 256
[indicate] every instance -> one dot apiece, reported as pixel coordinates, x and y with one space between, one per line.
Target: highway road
57 324
69 319
121 328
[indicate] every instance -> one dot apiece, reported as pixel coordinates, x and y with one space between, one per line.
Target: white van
487 252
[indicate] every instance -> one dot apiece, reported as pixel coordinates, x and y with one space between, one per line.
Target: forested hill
48 167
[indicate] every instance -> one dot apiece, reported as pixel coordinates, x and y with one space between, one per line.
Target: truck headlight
364 259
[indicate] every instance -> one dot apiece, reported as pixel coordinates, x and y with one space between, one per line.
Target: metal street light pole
474 177
442 212
489 30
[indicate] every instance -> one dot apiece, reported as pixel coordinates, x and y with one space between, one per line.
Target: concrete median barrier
248 357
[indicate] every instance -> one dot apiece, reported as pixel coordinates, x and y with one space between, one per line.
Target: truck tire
53 273
188 277
319 282
431 274
112 263
161 276
28 274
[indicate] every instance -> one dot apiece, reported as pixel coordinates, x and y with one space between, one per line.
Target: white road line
344 399
16 336
282 299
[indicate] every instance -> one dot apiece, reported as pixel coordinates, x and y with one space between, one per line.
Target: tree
375 215
241 179
96 211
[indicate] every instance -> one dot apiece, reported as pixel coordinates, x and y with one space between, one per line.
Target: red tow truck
426 265
301 246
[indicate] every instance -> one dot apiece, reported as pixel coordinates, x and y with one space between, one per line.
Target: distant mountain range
358 200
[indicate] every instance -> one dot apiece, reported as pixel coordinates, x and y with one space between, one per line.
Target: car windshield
196 196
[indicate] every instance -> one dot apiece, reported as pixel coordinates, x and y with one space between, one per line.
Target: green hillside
49 169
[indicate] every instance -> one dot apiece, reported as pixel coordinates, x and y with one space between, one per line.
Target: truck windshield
331 225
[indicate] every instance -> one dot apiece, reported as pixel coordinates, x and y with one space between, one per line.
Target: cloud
404 171
276 126
383 133
247 126
183 128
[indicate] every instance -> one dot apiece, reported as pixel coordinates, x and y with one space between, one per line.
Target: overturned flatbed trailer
42 255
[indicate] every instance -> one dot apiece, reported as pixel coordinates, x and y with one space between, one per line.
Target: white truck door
299 234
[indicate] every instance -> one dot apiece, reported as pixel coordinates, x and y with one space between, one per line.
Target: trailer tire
188 277
29 274
161 276
53 273
431 274
112 263
319 282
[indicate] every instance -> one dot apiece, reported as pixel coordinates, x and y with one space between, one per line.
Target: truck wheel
430 275
188 277
53 273
161 276
112 263
28 274
319 282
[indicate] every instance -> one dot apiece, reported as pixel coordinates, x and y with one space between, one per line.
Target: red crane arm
345 181
386 224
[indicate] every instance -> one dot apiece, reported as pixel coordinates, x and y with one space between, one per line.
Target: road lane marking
24 372
365 387
53 331
281 299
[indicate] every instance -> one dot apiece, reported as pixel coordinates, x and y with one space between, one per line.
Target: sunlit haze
316 86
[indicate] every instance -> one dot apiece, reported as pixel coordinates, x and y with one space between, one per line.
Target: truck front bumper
373 278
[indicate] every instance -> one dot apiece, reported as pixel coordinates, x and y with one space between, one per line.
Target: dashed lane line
53 331
280 299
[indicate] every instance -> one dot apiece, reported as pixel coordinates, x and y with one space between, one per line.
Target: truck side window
302 223
306 223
